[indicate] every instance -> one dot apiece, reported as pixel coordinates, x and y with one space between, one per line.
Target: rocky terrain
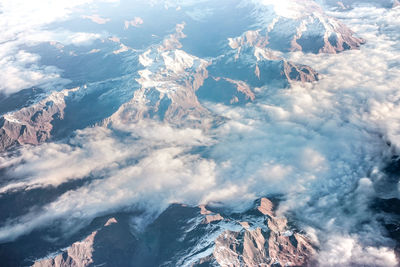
167 85
347 4
306 28
33 124
191 236
173 83
179 114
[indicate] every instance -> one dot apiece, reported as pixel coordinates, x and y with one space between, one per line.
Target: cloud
136 22
200 14
94 151
366 80
160 170
346 251
24 24
82 38
316 144
97 19
293 9
20 70
21 19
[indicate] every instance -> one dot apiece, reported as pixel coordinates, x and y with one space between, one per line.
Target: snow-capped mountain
347 4
199 133
297 26
33 124
168 85
191 236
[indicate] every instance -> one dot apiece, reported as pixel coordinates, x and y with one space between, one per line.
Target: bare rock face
173 82
113 238
78 255
240 71
250 59
168 85
209 215
266 207
191 236
263 247
33 124
299 73
243 88
167 91
304 28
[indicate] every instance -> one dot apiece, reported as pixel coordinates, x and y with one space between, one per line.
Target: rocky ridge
348 4
33 124
298 26
167 85
199 237
256 246
173 83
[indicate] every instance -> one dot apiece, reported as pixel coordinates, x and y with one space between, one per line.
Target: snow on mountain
304 141
191 236
167 85
172 79
33 124
238 75
298 26
347 4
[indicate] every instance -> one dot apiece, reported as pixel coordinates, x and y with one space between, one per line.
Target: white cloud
20 18
23 23
135 22
200 14
346 251
94 151
316 144
97 19
82 38
293 9
20 69
137 171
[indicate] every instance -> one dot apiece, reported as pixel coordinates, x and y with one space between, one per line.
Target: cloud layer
319 145
24 24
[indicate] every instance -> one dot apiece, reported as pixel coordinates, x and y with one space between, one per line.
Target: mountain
191 236
33 124
347 4
167 85
174 115
298 26
173 84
